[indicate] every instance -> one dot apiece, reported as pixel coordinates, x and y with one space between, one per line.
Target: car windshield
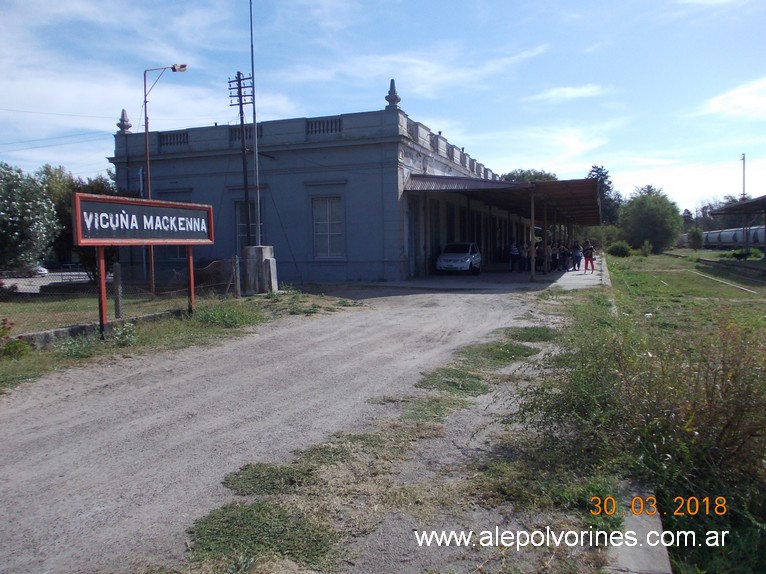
457 248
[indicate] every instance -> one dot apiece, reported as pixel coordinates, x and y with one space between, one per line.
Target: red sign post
106 220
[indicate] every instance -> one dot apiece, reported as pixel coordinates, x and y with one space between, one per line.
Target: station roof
573 200
757 205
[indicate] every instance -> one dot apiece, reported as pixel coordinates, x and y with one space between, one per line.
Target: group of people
560 256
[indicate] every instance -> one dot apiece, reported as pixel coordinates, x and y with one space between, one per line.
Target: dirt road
103 468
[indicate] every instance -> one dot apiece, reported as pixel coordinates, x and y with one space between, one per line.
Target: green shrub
14 349
646 248
11 348
742 253
619 249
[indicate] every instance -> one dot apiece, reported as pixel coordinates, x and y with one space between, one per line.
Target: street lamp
148 185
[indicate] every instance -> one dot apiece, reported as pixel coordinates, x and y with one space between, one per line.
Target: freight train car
731 238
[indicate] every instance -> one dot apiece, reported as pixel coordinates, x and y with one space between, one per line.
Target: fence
68 296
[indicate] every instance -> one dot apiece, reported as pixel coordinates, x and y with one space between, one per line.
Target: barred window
328 227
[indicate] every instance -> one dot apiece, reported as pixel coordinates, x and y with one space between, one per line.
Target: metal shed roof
573 200
748 206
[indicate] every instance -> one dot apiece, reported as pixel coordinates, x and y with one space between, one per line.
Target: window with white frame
327 213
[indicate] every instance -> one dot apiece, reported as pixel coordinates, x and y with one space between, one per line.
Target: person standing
564 255
524 256
515 256
576 256
587 253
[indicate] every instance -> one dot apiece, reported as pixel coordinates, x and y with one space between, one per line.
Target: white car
460 257
35 270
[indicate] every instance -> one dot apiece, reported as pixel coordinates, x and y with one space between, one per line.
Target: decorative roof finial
124 123
393 98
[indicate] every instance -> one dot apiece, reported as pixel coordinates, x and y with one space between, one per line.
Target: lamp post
148 185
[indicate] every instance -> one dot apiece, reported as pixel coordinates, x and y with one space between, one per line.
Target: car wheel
475 270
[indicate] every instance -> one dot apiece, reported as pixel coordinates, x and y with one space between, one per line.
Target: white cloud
566 93
711 2
427 77
746 101
692 184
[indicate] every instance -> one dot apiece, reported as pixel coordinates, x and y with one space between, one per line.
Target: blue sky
663 92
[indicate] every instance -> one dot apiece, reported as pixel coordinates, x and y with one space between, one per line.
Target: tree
650 216
529 175
711 222
688 218
610 199
62 186
28 222
695 238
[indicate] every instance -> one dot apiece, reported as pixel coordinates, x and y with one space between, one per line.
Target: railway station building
369 196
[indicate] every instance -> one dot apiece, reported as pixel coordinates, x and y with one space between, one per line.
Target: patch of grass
42 313
538 334
227 313
540 476
246 531
490 356
551 293
326 454
579 494
388 444
456 381
30 366
433 408
263 478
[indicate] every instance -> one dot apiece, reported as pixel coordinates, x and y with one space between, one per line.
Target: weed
124 335
312 309
274 296
82 347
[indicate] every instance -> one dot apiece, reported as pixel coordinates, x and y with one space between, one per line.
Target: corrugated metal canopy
757 205
573 200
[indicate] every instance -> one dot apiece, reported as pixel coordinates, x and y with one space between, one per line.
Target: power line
54 138
53 114
88 140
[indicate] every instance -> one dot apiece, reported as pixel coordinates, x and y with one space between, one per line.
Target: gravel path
103 468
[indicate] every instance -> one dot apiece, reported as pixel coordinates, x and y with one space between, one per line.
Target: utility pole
241 93
745 230
258 238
